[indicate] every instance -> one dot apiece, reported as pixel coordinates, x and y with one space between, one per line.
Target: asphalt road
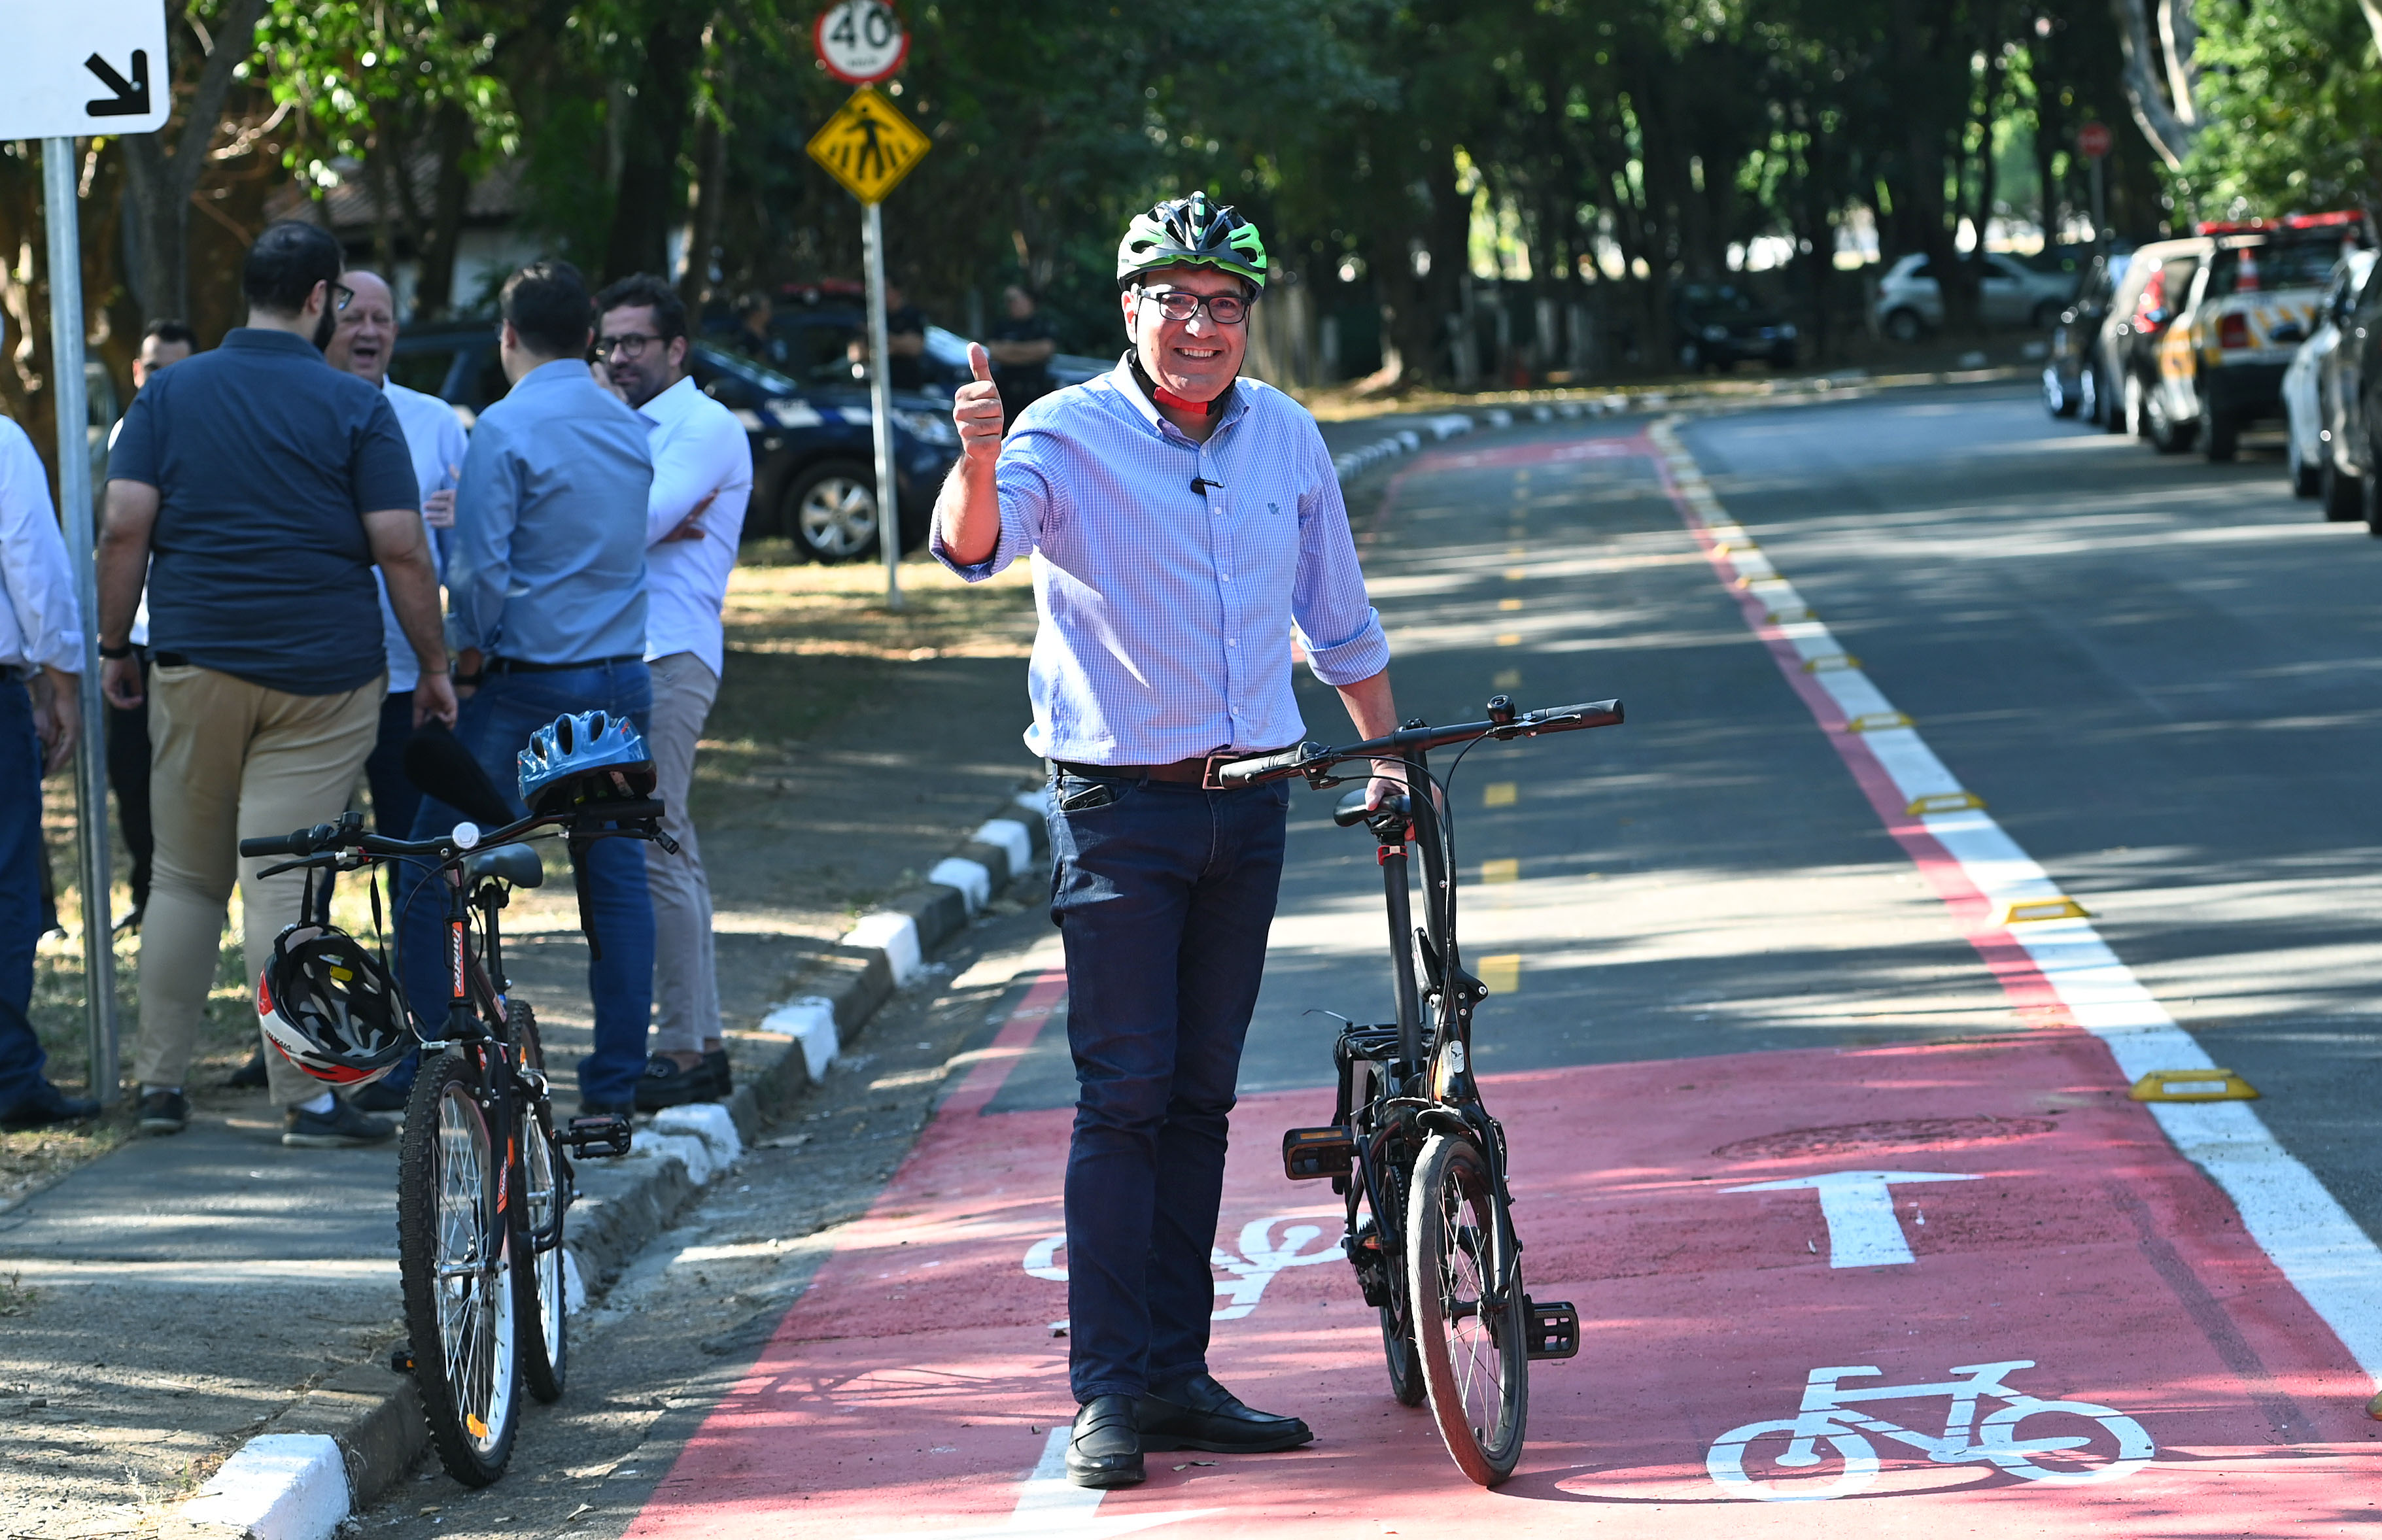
2155 673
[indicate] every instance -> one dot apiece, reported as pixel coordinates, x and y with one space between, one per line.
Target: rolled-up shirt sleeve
479 558
1336 622
36 580
1027 497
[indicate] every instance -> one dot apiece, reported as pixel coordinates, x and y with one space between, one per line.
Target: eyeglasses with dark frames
1224 309
341 298
628 344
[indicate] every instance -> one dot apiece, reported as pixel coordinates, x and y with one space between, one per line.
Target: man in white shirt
703 478
40 675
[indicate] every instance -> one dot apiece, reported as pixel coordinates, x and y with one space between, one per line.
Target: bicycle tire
1474 1361
545 1305
454 1248
1398 1351
1997 1439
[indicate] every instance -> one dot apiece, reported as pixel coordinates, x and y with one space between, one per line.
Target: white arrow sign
1862 1229
94 66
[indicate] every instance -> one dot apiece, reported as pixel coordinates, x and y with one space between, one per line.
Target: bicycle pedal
1309 1154
603 1133
1554 1328
401 1358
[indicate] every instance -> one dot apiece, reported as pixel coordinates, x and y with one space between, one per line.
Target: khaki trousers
686 984
232 761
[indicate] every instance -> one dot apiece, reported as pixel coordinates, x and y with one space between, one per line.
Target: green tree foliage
2290 103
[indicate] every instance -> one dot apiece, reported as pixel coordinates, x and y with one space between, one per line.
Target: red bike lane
2051 1228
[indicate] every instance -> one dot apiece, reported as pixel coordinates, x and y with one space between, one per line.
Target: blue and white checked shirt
1167 612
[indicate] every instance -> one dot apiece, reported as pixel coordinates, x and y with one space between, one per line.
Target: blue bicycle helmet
592 756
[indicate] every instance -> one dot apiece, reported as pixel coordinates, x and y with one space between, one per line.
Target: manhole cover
1908 1134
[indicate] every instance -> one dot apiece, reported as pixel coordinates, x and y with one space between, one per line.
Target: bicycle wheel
1397 1316
454 1247
1772 1480
543 1307
1473 1346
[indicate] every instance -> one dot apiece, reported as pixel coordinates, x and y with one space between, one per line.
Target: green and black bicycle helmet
1195 232
590 757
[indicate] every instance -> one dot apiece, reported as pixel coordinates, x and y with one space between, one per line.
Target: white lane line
1051 1506
1857 1208
1981 872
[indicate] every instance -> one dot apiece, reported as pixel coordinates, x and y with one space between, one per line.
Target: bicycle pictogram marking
2095 1442
1262 1257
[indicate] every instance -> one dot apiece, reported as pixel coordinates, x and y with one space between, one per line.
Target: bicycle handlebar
327 838
1312 760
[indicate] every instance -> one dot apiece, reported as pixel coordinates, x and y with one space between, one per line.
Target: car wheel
2341 492
2369 501
2088 395
2224 436
2167 435
2304 478
2056 399
1904 325
830 511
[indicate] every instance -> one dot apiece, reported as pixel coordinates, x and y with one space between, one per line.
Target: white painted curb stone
811 1022
970 877
574 1284
708 1121
685 1148
1012 836
1035 803
277 1486
895 935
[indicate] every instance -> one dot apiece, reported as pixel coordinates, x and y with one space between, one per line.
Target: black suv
1715 325
814 477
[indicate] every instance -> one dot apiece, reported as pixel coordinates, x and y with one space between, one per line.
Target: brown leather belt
1194 771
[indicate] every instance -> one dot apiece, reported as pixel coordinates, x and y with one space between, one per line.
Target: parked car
1716 325
2313 402
2357 385
2144 307
2079 378
814 471
1910 300
818 324
2252 302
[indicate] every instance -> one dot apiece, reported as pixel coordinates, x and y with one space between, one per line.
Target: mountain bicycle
483 1179
1430 1228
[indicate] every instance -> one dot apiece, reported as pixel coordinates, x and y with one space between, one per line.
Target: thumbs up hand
975 409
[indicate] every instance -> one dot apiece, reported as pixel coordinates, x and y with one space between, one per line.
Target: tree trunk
450 136
706 198
158 182
2171 129
651 136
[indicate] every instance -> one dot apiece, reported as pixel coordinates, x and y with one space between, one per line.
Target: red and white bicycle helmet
327 1005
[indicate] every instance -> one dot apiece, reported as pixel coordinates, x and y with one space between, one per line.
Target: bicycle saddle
1351 810
516 865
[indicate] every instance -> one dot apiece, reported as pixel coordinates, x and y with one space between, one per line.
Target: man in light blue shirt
545 584
1182 521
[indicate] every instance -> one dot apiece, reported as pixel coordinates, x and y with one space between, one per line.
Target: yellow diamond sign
868 146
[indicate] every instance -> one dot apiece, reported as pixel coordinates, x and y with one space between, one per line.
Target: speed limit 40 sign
860 41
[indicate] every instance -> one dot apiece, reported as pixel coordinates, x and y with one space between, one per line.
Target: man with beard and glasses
257 488
703 477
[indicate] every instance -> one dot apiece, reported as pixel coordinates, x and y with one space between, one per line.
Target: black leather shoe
1198 1413
666 1083
1104 1449
723 1074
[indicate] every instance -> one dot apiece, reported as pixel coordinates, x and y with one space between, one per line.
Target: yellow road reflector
1830 662
1877 722
2193 1085
1943 801
1735 547
1762 580
1501 975
1516 574
1506 868
1507 679
1790 616
2060 907
1500 794
1509 603
1509 639
1516 552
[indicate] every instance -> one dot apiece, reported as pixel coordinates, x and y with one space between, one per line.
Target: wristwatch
115 654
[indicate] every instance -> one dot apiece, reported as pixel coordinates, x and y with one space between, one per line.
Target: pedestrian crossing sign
868 146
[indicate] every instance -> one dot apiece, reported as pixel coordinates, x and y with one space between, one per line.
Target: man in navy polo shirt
256 488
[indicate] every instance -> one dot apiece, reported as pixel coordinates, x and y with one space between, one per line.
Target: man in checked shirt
1181 520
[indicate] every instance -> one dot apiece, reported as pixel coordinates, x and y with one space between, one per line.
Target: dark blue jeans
494 725
1163 895
20 891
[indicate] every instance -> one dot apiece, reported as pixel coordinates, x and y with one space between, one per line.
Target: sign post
868 146
59 56
2093 143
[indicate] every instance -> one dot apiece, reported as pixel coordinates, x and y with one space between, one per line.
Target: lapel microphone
1199 486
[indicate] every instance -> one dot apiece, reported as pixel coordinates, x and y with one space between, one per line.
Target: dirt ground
787 795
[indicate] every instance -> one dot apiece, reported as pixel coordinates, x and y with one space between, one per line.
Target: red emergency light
2288 222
